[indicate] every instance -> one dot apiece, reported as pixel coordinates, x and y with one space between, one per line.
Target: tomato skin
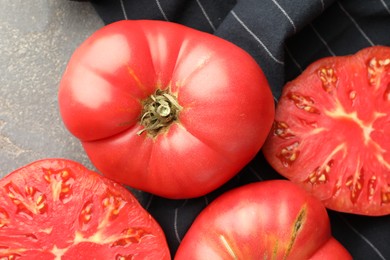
227 106
56 208
330 132
265 220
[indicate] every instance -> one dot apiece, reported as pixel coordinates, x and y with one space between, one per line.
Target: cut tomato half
331 133
58 209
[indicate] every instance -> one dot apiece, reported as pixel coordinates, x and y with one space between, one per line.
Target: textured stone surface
37 38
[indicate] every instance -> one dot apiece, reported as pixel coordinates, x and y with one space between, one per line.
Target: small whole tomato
331 132
58 209
165 108
264 220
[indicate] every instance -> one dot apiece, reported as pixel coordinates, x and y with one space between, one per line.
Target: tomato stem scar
159 111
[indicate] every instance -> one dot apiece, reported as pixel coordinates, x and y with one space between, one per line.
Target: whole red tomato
331 132
165 108
57 209
265 220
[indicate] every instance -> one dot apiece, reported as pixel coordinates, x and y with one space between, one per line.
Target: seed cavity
130 236
124 257
10 256
61 182
302 102
328 79
112 204
29 201
282 130
385 194
320 174
289 154
355 184
4 218
375 69
86 214
371 187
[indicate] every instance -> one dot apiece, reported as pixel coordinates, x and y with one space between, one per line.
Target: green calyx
159 111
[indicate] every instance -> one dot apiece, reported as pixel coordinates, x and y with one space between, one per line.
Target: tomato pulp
58 209
165 108
331 132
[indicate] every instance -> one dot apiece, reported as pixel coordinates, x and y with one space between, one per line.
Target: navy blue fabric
284 37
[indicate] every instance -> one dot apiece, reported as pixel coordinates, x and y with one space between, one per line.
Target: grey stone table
36 41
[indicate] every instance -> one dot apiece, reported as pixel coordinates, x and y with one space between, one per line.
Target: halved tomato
331 133
58 209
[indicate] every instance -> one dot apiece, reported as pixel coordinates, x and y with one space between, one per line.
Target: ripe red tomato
264 220
57 209
331 132
165 108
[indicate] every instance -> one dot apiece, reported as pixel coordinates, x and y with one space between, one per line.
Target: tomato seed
375 69
352 94
86 213
320 173
303 102
385 194
371 186
385 197
4 218
282 130
328 79
289 154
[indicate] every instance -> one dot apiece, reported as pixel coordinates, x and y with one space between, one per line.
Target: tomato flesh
330 133
56 208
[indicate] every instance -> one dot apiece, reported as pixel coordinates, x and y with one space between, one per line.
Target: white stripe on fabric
355 23
161 10
175 221
322 40
123 9
323 5
285 14
147 206
256 38
254 172
385 5
362 237
206 15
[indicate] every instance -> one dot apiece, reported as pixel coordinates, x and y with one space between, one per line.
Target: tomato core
159 111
